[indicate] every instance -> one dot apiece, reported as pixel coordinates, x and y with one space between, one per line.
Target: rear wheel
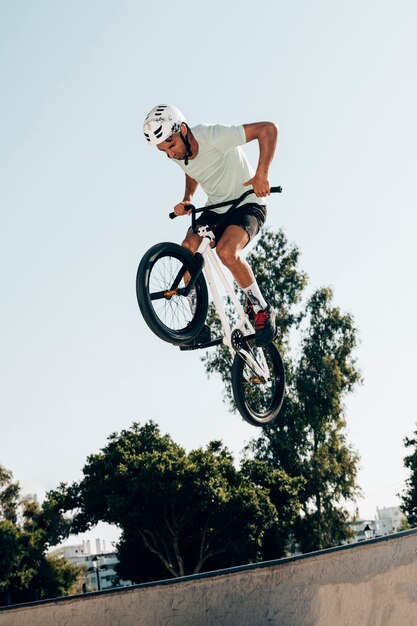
160 278
257 398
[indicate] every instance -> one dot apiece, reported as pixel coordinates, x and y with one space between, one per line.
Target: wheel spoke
160 278
173 312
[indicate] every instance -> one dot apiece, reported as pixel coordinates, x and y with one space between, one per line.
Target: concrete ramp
373 583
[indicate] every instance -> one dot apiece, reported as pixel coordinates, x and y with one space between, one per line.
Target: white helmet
162 122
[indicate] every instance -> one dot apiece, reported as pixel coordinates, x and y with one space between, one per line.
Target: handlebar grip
276 189
190 207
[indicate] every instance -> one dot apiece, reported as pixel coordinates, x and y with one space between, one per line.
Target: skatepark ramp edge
373 582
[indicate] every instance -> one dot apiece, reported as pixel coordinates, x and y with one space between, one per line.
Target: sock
255 297
192 300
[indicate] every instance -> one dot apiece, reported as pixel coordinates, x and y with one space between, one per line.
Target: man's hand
260 184
180 208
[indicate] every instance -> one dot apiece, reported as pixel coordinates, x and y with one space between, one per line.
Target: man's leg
191 243
231 243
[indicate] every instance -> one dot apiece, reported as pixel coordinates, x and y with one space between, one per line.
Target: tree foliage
325 373
308 439
409 497
179 513
26 531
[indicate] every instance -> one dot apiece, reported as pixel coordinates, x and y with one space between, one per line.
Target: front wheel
259 398
163 273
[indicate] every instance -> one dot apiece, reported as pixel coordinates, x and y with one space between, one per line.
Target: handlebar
233 203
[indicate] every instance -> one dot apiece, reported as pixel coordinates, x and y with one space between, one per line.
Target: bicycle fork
258 365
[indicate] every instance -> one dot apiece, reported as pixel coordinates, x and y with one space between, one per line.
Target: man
212 157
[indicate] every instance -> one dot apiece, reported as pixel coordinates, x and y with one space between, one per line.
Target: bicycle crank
238 339
257 380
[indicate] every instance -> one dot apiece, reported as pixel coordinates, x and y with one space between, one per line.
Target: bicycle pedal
200 346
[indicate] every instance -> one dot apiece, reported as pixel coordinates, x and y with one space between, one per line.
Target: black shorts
251 217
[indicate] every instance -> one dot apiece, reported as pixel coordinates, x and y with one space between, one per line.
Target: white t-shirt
220 166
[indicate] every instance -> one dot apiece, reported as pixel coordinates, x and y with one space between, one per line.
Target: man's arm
190 188
267 134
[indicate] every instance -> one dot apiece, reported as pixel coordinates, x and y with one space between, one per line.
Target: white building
390 519
99 568
387 521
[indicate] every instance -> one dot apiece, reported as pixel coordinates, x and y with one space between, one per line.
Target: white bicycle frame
258 366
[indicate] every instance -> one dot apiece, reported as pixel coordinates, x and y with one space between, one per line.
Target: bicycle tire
259 403
170 318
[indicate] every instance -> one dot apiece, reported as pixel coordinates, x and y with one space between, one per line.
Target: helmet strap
188 152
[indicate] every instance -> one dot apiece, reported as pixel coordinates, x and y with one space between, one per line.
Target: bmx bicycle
167 274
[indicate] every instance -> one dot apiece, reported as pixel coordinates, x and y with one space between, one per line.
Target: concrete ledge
372 583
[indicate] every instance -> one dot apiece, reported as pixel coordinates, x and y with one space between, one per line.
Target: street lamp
96 567
368 532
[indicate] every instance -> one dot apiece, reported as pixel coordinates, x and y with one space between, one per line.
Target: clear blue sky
82 197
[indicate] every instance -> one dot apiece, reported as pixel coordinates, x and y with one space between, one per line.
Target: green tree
9 496
326 373
404 524
308 439
284 494
179 513
26 531
409 497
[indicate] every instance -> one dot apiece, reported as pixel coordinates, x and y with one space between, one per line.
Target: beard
180 157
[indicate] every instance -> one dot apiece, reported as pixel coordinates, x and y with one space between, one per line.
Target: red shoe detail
261 319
